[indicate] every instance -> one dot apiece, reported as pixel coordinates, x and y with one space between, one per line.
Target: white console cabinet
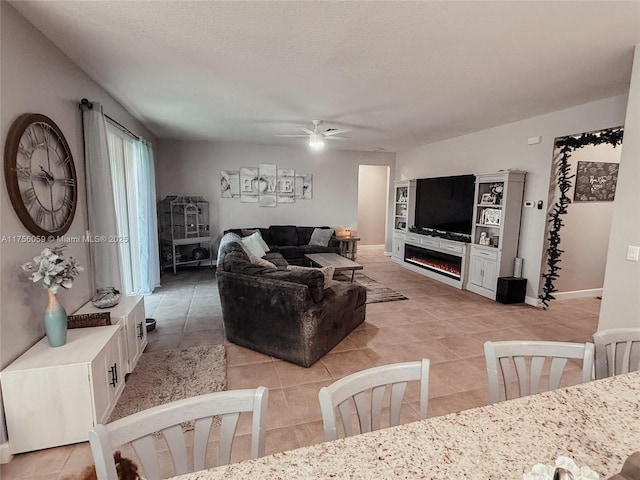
54 396
129 313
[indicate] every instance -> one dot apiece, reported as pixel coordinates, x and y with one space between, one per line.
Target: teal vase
55 321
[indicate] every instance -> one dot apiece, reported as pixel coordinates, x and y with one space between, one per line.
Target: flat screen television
445 203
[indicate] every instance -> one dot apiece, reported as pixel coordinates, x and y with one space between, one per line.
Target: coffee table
340 263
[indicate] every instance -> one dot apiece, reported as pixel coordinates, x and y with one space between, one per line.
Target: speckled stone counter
596 423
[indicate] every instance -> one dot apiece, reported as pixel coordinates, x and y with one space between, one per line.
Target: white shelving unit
404 198
404 205
496 229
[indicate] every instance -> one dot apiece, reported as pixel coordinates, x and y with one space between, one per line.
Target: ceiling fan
316 138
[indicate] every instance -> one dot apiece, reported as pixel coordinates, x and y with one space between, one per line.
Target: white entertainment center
472 261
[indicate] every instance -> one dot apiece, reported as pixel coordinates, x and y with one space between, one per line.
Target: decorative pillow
326 271
263 244
253 245
262 262
321 237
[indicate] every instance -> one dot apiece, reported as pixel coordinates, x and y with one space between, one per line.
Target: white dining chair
140 429
527 359
617 351
366 390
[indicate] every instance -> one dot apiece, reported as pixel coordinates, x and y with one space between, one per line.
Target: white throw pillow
326 271
321 237
257 233
262 262
253 245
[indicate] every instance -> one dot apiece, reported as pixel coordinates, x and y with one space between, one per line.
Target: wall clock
40 175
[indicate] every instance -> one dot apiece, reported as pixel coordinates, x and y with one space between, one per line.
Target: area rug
168 375
376 293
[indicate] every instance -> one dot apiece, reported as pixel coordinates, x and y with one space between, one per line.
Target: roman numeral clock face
40 175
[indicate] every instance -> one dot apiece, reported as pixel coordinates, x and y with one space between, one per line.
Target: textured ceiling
399 74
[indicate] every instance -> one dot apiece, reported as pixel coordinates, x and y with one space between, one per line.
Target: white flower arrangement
53 270
545 472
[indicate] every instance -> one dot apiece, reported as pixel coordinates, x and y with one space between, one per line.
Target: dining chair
617 351
527 359
142 430
366 390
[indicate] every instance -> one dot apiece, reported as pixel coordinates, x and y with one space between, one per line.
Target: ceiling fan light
316 142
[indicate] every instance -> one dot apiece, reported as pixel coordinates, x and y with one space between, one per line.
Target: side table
348 247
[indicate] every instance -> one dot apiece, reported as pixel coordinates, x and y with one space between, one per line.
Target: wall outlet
529 204
534 140
633 253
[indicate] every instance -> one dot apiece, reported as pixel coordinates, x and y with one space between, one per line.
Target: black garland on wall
567 146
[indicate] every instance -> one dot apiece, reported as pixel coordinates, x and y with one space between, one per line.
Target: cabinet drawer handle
114 375
140 331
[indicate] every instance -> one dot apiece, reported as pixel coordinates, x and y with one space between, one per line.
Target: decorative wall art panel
596 182
286 182
267 183
249 184
229 184
304 186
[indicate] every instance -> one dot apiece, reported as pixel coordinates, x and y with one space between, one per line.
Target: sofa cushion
290 252
304 235
314 279
277 259
321 237
284 235
230 242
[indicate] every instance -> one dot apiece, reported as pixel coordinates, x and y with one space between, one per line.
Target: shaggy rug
169 375
376 292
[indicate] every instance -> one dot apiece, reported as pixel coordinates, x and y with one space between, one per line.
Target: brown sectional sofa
282 313
291 241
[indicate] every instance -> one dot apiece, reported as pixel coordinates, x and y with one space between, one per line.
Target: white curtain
105 264
147 217
135 204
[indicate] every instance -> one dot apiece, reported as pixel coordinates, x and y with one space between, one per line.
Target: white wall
193 168
586 230
373 184
37 78
505 147
621 295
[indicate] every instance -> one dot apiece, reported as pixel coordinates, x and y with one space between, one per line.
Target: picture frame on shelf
402 225
487 198
492 216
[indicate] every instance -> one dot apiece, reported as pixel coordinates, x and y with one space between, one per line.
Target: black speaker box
511 290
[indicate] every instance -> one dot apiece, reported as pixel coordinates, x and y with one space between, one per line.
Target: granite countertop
596 423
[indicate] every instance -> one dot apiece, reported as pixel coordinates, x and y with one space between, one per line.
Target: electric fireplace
442 263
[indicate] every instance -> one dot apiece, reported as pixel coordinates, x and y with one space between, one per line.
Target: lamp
316 142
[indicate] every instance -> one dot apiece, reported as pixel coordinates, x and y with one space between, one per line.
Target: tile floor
438 322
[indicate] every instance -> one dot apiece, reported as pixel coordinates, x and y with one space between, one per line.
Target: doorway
586 225
373 192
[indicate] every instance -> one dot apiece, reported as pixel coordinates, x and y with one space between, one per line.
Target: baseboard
5 454
533 301
590 293
387 254
370 247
